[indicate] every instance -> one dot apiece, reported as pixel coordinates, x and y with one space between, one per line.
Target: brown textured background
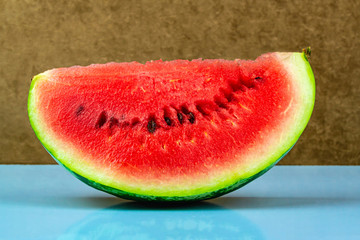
39 35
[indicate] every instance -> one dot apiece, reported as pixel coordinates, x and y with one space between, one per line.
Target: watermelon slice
173 130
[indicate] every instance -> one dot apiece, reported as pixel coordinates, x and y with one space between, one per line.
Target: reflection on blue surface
312 203
136 221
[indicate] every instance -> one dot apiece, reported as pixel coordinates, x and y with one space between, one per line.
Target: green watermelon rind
298 63
198 197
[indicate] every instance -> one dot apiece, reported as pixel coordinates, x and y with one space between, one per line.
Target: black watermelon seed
191 118
113 122
101 120
151 126
180 117
257 78
168 121
79 110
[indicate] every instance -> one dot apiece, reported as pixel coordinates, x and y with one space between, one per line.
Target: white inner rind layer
273 146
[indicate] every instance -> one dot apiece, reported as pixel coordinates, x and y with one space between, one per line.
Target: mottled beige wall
38 35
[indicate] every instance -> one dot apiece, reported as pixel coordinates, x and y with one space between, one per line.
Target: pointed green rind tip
307 53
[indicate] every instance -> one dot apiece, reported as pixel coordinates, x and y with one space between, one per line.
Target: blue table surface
289 202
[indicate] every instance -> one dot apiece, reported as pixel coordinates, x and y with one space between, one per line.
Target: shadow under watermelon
229 202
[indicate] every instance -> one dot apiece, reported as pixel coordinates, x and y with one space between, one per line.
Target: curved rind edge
31 108
207 195
198 197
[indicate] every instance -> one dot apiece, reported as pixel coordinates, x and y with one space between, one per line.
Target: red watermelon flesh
173 130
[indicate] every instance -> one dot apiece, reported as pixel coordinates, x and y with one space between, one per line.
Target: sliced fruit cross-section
173 130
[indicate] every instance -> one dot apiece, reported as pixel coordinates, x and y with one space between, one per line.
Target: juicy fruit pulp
178 130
